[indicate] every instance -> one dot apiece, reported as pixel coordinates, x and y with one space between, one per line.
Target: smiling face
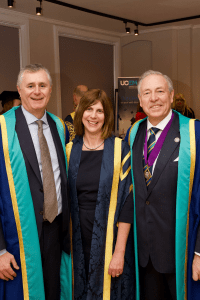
155 98
35 92
93 119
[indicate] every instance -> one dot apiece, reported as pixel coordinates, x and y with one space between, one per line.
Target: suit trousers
50 246
155 285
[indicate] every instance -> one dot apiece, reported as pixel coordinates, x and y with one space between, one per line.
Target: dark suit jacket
34 176
156 207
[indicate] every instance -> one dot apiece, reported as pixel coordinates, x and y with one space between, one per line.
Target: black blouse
88 183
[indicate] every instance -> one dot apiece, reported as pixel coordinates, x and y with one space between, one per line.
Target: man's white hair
151 72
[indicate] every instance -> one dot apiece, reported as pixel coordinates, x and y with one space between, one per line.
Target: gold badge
147 174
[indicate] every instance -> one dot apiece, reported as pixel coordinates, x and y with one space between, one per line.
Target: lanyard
155 151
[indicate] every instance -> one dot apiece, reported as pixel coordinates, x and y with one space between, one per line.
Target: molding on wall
196 26
91 36
22 23
161 29
57 22
57 70
14 13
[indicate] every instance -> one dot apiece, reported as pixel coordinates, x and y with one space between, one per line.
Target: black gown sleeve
2 240
197 245
126 215
68 119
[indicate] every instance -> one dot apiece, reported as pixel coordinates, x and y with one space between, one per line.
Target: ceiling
143 11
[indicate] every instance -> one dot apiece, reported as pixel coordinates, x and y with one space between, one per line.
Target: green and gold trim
15 205
186 168
192 170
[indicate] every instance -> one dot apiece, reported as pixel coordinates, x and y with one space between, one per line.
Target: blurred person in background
77 94
139 116
180 105
8 100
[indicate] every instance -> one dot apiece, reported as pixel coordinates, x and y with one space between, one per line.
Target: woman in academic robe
101 204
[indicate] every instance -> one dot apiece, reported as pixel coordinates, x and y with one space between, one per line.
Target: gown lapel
26 142
138 148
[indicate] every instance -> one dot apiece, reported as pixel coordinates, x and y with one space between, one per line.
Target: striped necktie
150 145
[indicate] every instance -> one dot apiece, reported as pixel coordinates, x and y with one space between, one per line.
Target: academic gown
70 133
18 219
187 207
99 284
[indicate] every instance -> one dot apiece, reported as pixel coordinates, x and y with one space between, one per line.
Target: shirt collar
31 118
162 124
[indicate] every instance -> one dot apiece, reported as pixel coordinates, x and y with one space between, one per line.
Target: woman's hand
117 264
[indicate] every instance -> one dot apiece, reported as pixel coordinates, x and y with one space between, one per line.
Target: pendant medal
147 174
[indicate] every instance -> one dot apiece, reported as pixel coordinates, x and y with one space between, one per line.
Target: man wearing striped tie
166 181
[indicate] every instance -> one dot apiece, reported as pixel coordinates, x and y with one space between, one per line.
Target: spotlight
10 3
39 9
136 31
128 30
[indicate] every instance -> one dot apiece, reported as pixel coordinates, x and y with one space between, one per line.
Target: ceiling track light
10 3
136 31
128 30
59 2
39 9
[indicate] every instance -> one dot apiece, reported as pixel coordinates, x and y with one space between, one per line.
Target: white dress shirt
33 128
161 126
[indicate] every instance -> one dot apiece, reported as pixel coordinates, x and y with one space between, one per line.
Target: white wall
175 52
171 50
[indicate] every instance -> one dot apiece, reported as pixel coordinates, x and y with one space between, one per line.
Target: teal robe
18 219
187 207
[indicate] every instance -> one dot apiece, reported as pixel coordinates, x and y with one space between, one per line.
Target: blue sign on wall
127 102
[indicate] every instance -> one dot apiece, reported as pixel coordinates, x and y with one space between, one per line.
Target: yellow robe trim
15 206
111 215
72 115
123 175
68 151
192 170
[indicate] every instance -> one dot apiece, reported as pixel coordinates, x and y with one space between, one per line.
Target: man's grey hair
32 69
151 72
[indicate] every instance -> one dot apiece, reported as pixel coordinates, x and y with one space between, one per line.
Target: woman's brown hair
90 98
